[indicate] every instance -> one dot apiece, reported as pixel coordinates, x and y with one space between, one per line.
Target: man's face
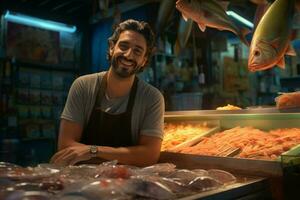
128 55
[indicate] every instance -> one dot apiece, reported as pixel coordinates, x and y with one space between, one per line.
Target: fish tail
242 35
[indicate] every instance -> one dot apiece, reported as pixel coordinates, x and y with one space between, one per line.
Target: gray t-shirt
147 114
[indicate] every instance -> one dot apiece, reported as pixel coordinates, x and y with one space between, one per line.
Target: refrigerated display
267 121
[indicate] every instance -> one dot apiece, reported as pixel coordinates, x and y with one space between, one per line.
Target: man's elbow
150 160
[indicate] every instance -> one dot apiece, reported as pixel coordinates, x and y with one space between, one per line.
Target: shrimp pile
253 143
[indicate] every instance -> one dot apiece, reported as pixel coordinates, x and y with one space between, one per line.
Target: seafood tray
196 139
190 131
263 119
252 167
111 181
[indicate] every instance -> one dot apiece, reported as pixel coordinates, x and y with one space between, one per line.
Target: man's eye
138 52
123 46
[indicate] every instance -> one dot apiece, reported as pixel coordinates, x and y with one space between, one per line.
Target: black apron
104 129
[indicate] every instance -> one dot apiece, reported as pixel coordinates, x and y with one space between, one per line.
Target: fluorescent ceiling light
240 18
40 23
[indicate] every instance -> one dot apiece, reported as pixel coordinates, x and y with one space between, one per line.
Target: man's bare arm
69 134
145 153
71 151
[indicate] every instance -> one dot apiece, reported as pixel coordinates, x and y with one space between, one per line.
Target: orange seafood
253 143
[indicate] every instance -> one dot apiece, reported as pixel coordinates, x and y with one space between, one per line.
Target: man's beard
122 71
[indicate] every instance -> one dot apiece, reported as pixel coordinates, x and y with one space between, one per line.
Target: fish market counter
262 143
205 155
255 188
255 178
108 180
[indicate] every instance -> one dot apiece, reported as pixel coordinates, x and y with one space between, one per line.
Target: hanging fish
271 39
165 11
184 32
210 14
261 9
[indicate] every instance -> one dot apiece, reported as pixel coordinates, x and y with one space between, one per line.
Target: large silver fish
209 14
271 39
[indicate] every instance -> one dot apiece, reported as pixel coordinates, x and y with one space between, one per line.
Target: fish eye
256 53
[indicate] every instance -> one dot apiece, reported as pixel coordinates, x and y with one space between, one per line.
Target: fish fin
275 43
184 17
202 27
290 51
245 31
281 63
242 36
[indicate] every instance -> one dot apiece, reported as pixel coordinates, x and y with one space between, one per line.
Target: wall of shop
37 68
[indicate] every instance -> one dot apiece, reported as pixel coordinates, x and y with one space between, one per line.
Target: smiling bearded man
113 115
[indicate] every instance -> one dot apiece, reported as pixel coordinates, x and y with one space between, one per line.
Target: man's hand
71 155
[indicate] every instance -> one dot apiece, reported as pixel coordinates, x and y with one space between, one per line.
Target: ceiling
71 11
90 11
68 11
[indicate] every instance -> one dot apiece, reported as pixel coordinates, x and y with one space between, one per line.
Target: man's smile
126 63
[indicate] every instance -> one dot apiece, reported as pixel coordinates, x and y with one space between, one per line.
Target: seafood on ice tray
107 181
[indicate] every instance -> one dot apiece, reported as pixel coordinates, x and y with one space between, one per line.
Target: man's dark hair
138 26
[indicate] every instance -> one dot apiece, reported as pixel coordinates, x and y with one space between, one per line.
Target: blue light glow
240 18
40 23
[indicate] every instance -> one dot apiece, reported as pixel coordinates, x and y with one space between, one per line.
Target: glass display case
262 125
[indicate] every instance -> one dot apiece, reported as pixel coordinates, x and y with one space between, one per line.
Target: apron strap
132 95
101 91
